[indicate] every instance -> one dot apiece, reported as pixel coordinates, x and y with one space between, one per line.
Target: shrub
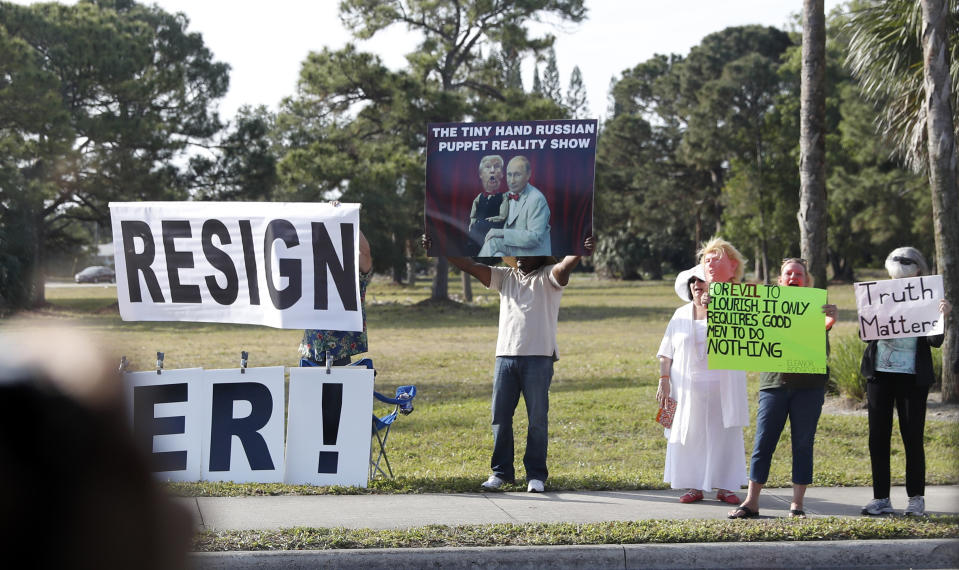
844 358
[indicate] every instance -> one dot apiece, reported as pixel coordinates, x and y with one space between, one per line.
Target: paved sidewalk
406 511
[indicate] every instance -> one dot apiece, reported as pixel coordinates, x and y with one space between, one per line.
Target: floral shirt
340 344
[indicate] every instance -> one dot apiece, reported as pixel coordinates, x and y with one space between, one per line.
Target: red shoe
727 497
691 496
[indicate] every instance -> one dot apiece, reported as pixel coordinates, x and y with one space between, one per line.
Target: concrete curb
930 553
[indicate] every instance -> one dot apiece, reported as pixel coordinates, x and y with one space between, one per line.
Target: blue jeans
531 377
802 406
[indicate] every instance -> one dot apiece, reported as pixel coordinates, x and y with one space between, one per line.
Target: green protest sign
766 328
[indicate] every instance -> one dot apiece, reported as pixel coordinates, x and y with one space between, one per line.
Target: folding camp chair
402 404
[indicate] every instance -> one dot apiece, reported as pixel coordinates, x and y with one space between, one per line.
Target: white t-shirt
528 311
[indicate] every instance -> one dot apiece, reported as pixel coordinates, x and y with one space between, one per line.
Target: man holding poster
530 291
898 368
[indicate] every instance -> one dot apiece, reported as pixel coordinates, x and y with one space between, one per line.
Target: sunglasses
904 260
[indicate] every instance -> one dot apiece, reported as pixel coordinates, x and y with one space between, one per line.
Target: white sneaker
493 483
879 507
917 507
535 486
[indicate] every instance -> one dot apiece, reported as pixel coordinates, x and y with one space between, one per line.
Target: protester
898 373
705 443
78 493
489 208
530 292
782 395
526 231
341 345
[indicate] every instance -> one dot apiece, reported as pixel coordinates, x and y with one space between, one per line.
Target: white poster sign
166 412
329 426
243 437
283 265
899 308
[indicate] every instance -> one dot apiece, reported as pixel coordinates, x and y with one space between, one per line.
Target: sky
266 41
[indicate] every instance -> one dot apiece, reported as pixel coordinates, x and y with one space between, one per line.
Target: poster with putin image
510 189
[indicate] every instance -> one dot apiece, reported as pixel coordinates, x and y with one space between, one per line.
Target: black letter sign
139 261
289 268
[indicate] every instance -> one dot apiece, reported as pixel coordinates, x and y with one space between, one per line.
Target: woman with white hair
705 448
899 373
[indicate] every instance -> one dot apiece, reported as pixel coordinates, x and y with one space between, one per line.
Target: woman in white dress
705 449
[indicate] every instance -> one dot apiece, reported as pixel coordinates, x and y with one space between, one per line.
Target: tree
537 83
576 100
648 202
885 43
551 81
351 133
726 86
941 137
100 100
905 55
447 59
812 147
242 165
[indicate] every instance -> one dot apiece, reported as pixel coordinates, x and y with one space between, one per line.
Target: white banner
329 426
283 265
899 308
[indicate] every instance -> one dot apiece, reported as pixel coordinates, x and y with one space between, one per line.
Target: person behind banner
530 292
705 444
899 373
490 209
782 395
341 345
526 231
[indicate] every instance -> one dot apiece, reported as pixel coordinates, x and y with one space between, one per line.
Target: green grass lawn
602 429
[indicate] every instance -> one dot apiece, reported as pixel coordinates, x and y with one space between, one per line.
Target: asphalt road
64 284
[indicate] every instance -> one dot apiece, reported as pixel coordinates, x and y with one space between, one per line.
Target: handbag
665 414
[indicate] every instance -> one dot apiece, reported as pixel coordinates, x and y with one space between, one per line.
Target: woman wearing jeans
796 396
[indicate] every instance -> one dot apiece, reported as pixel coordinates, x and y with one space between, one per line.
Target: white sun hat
682 281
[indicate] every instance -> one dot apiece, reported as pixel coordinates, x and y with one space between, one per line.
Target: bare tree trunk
757 265
940 131
812 141
441 280
396 273
699 229
37 293
410 263
716 176
467 287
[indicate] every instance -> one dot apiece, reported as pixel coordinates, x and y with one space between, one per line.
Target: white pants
713 456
